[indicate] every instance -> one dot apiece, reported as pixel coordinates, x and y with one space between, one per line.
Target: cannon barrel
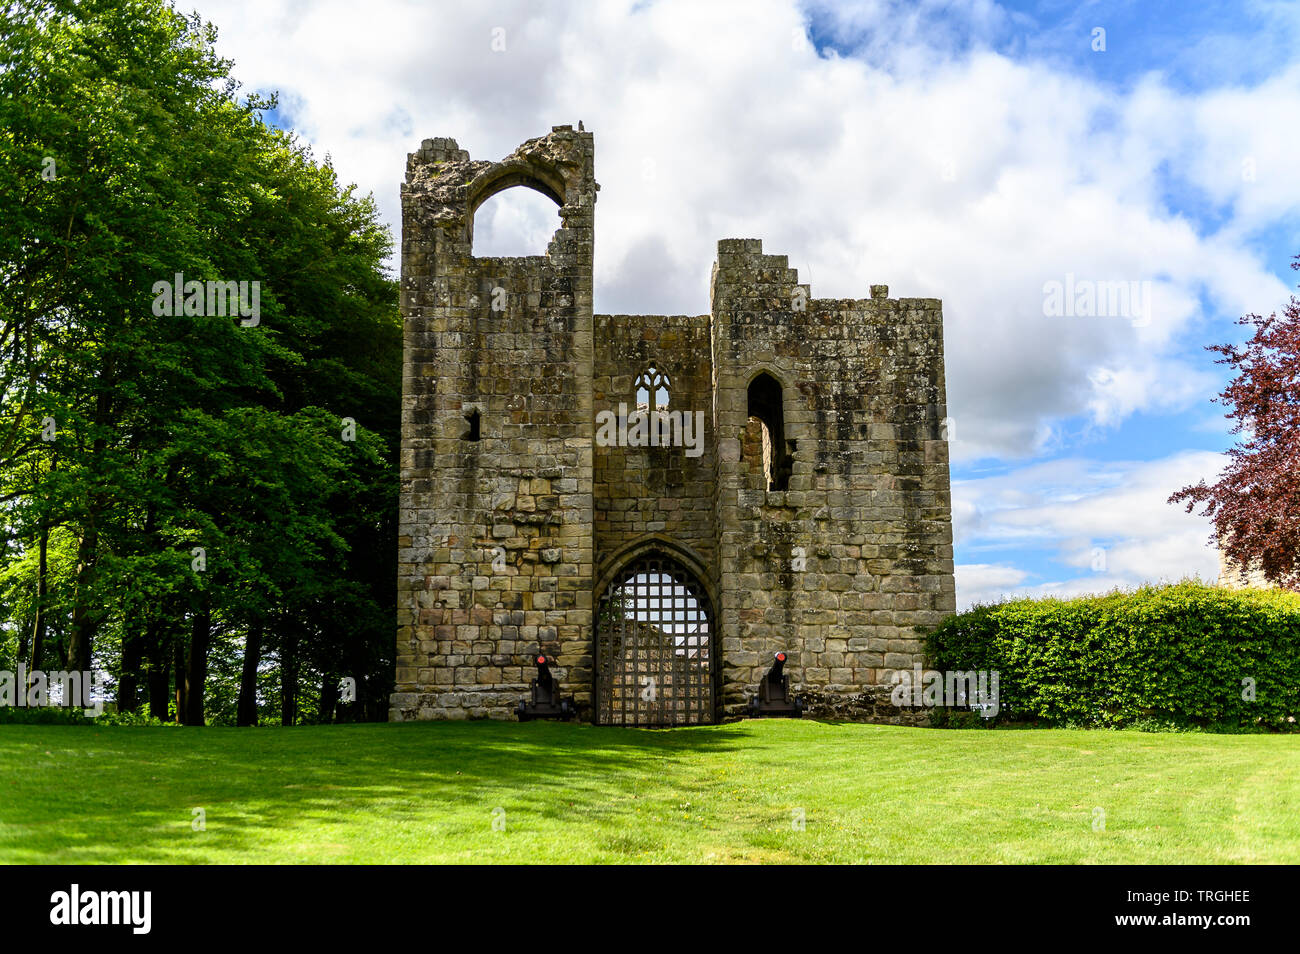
774 697
543 671
546 702
778 668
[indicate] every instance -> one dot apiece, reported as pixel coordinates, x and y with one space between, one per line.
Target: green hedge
58 715
1175 655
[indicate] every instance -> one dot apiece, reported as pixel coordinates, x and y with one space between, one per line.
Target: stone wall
838 569
495 534
1231 577
649 494
825 532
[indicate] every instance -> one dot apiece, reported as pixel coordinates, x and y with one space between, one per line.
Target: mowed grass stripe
577 793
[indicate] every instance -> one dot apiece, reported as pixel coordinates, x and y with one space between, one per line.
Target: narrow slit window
472 419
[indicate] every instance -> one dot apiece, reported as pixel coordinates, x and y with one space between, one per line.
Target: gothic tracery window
652 386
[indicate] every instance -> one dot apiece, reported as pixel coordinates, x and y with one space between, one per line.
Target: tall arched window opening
515 222
766 406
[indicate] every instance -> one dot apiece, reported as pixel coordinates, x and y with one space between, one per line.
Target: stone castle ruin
657 503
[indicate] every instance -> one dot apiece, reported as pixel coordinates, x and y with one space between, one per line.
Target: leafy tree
1255 503
193 473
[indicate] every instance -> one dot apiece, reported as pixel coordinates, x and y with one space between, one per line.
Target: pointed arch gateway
654 646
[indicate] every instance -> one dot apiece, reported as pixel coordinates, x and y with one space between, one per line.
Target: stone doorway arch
656 663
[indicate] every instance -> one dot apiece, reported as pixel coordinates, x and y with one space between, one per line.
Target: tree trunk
156 647
329 697
246 713
288 678
38 649
85 620
136 642
42 587
82 635
159 682
196 672
128 695
353 711
178 667
38 643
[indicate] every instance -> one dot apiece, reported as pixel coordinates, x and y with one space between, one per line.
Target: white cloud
925 161
986 582
970 177
1108 520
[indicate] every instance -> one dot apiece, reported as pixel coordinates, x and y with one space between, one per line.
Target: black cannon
774 697
546 702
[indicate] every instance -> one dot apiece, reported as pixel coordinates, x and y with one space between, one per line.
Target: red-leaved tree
1255 503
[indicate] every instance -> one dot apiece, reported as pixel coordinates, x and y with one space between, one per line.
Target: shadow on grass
118 794
574 792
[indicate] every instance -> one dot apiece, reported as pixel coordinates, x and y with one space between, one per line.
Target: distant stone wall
1231 577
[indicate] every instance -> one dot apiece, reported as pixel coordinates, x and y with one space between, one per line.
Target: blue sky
1195 46
1192 48
966 150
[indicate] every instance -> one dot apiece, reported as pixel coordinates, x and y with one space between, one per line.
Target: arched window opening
767 407
652 390
515 222
654 647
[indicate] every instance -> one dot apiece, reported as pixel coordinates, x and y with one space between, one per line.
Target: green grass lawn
576 793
